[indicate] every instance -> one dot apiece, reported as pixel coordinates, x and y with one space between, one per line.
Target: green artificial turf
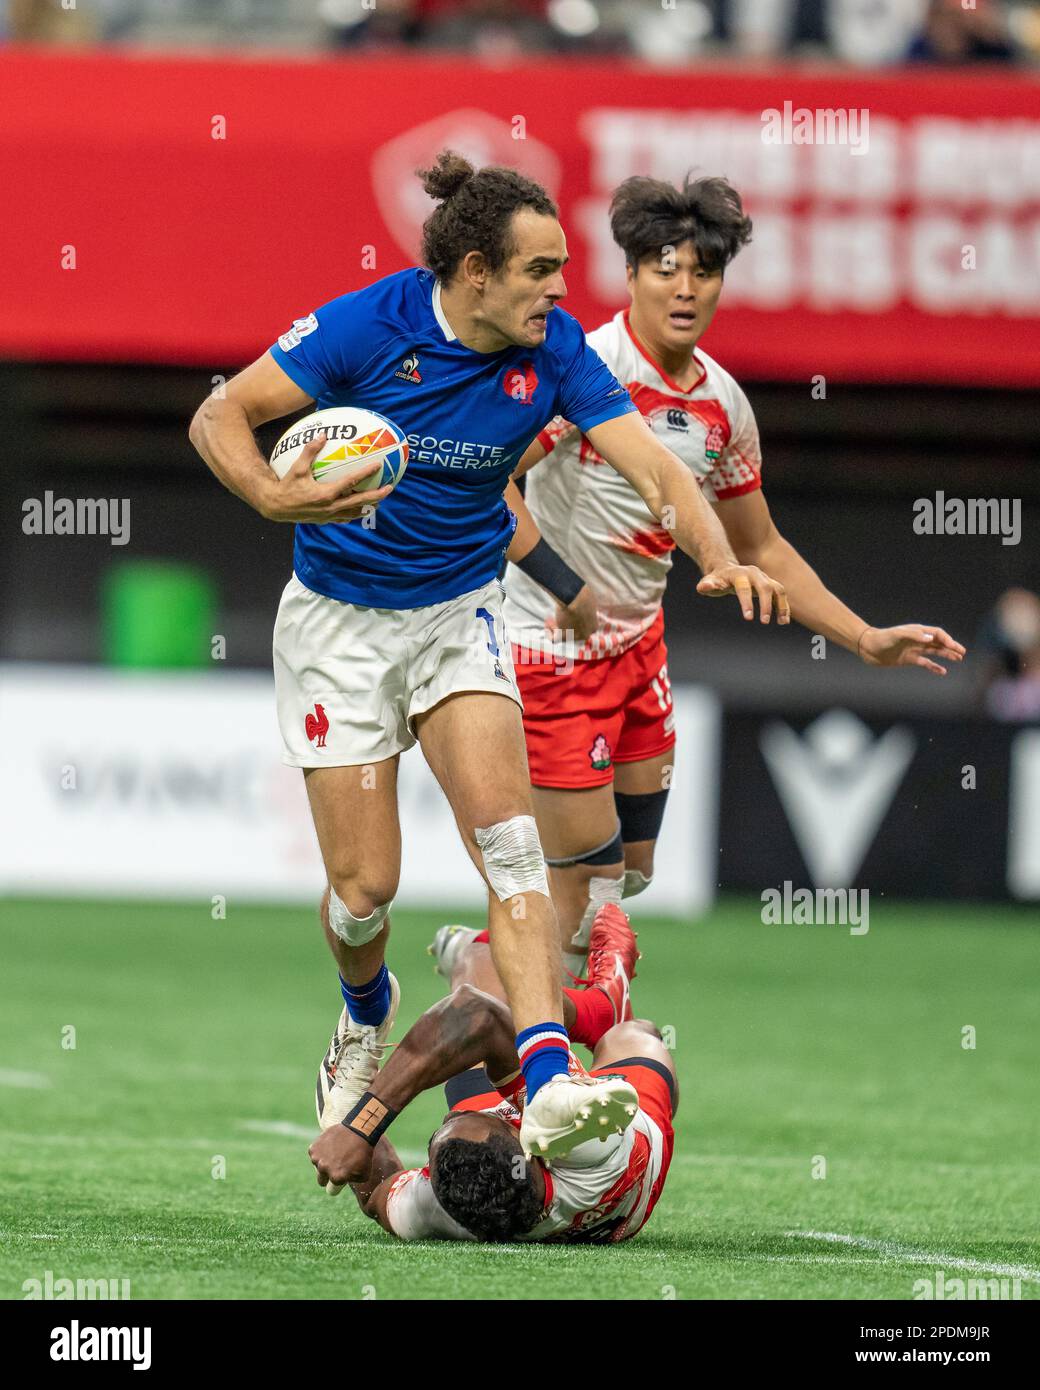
197 1043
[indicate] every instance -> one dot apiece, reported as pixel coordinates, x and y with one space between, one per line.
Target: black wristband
370 1118
552 572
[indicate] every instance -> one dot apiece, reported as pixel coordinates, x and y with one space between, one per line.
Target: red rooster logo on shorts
317 725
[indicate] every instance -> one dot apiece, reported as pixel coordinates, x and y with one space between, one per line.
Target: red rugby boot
612 959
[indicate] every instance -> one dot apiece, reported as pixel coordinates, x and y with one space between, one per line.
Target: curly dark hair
649 214
475 213
476 1184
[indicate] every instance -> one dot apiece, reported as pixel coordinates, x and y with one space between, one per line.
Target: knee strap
609 852
512 856
354 931
640 814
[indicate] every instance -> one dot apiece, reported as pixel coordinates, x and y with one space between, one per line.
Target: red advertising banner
186 210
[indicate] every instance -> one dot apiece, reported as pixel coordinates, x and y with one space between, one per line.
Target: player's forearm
812 603
385 1163
221 433
527 535
466 1029
683 511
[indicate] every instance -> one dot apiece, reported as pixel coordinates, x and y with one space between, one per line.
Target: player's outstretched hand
747 581
300 497
341 1157
578 619
910 645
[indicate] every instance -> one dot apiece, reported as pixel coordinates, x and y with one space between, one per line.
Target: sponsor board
171 786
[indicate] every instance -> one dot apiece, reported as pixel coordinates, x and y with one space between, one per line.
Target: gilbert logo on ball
352 436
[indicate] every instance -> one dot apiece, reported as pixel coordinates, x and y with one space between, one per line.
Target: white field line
907 1255
767 1161
25 1080
284 1128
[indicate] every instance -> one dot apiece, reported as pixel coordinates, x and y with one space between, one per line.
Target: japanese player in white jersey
594 558
475 1184
395 629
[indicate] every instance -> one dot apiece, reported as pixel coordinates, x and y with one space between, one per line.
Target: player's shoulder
722 382
609 339
564 335
395 302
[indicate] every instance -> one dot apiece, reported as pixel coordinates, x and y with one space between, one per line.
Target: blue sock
368 1003
544 1052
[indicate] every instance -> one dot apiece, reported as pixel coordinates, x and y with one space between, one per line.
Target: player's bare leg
474 744
612 960
580 826
363 871
636 1038
647 782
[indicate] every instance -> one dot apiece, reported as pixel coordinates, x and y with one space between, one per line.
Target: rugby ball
352 437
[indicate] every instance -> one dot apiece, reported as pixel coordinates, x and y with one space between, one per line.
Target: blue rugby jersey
468 417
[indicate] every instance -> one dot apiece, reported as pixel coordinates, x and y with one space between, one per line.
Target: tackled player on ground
478 1182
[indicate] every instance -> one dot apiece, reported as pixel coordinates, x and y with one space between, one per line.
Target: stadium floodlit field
197 1042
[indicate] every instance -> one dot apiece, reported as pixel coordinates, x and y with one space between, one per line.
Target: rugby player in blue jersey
395 628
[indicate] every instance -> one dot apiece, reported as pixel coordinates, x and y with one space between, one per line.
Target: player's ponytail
474 212
446 177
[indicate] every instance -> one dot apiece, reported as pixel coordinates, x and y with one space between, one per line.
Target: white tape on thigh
635 882
513 857
355 931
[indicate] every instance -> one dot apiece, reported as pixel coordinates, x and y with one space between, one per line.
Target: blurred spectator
497 30
45 21
1011 638
353 24
669 36
872 33
953 34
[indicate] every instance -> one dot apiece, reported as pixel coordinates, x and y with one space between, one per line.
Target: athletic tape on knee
641 814
513 858
635 882
354 931
609 852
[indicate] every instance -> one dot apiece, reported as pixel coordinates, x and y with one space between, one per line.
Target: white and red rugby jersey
599 523
602 1191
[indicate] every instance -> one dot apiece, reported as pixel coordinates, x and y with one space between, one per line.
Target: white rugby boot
446 945
349 1067
569 1110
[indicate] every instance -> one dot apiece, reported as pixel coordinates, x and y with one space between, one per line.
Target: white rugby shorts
350 681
